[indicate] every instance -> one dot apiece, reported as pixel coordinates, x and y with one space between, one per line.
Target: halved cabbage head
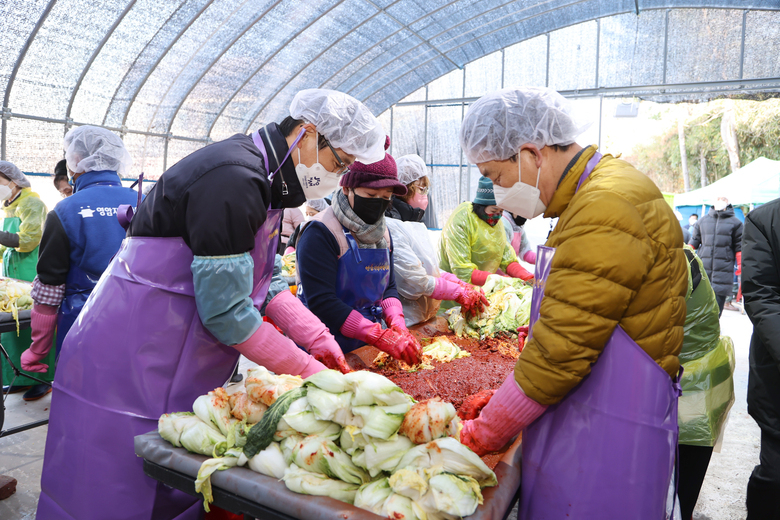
428 420
299 480
450 456
322 455
244 409
201 438
214 408
269 462
264 387
452 494
172 425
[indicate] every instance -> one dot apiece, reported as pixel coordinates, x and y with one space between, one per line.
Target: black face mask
518 220
369 210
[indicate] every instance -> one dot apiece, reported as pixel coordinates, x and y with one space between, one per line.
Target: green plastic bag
708 362
708 393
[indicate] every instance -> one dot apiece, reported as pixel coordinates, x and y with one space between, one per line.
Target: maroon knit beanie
381 174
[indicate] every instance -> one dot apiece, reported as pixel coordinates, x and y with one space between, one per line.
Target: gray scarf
367 236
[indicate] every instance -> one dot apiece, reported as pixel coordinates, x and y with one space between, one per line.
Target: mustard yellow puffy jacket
619 260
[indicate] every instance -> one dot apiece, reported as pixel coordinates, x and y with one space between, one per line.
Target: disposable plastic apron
363 275
137 350
21 266
607 449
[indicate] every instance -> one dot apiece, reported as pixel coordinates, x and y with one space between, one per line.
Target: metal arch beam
17 64
483 13
422 40
396 20
380 42
95 53
736 6
130 69
260 67
192 57
660 89
160 58
227 47
575 2
278 90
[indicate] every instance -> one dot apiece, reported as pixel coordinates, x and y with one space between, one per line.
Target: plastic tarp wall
172 76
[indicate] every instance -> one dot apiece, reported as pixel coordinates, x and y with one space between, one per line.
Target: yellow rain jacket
468 243
31 211
619 260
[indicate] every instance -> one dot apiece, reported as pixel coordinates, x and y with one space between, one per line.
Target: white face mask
720 205
521 199
316 181
5 192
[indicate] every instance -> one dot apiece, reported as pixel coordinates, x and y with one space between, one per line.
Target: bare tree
728 132
683 154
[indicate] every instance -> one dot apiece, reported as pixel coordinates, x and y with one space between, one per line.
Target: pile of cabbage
356 437
440 349
510 308
15 297
288 265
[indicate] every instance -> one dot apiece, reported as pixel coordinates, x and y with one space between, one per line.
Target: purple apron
363 276
137 350
607 449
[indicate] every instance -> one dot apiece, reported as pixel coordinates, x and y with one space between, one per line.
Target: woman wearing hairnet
81 237
314 208
181 301
516 235
25 213
594 390
421 286
345 264
473 242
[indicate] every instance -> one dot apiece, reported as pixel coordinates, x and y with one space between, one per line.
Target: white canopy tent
754 183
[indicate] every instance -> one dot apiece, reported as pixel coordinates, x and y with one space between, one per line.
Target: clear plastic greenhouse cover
171 76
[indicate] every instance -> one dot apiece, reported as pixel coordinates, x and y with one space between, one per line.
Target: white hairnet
498 124
410 168
91 148
344 121
13 172
317 204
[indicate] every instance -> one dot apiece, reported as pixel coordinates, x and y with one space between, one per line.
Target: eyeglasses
422 190
343 167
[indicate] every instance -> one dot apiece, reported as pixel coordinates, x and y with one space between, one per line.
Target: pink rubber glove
400 344
393 311
516 270
277 353
479 277
471 299
43 323
507 414
304 328
530 257
450 277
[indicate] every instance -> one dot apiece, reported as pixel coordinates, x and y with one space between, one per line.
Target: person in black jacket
761 289
718 241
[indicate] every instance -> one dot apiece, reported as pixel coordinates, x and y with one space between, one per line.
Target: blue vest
90 222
